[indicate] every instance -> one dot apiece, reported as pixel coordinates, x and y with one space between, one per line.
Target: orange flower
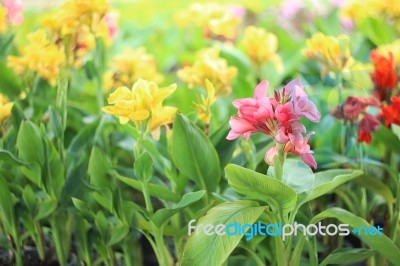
391 113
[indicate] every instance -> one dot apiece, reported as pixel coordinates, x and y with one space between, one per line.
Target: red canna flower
391 113
384 76
366 126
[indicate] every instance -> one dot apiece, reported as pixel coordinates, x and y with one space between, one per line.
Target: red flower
384 75
391 113
366 126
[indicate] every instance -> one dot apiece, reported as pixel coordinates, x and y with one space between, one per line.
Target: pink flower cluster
278 117
15 11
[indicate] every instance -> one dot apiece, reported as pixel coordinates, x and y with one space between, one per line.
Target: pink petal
296 139
240 125
245 101
261 90
280 136
270 155
297 127
232 135
295 88
309 159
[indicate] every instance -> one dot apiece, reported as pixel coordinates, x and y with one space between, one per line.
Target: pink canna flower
254 114
277 117
15 10
111 21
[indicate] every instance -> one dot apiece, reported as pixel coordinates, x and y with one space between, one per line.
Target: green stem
147 199
111 256
58 242
278 163
39 240
99 75
164 257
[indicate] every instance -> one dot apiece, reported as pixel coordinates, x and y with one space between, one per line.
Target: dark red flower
384 76
367 125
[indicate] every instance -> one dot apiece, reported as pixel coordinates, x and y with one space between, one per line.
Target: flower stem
278 163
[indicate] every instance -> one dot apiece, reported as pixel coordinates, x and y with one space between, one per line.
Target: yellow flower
216 18
394 48
5 108
203 109
39 56
332 52
129 66
261 46
3 21
142 105
212 67
358 10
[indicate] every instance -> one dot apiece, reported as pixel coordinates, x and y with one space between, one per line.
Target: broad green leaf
344 256
30 200
29 143
8 157
154 189
213 250
327 181
296 174
162 215
99 165
194 155
144 167
118 233
382 244
102 225
385 137
46 207
261 187
55 122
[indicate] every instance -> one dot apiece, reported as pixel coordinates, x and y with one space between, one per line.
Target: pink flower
302 106
277 117
14 11
254 114
111 20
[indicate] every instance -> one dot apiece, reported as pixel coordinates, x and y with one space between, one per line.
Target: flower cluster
220 20
384 76
209 65
332 53
278 117
11 13
391 112
261 46
354 111
126 68
5 108
40 56
142 105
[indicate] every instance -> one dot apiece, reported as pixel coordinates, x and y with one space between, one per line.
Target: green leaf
29 198
382 244
344 256
55 122
8 157
261 187
118 233
102 225
99 165
29 143
144 167
327 181
46 207
9 82
164 214
376 186
194 155
296 174
154 189
7 209
213 250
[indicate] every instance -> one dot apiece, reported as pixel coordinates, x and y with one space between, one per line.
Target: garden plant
200 133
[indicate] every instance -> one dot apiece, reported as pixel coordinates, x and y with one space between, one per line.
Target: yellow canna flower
5 108
129 66
212 67
39 56
216 18
332 52
3 19
393 48
358 10
142 105
261 47
203 109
